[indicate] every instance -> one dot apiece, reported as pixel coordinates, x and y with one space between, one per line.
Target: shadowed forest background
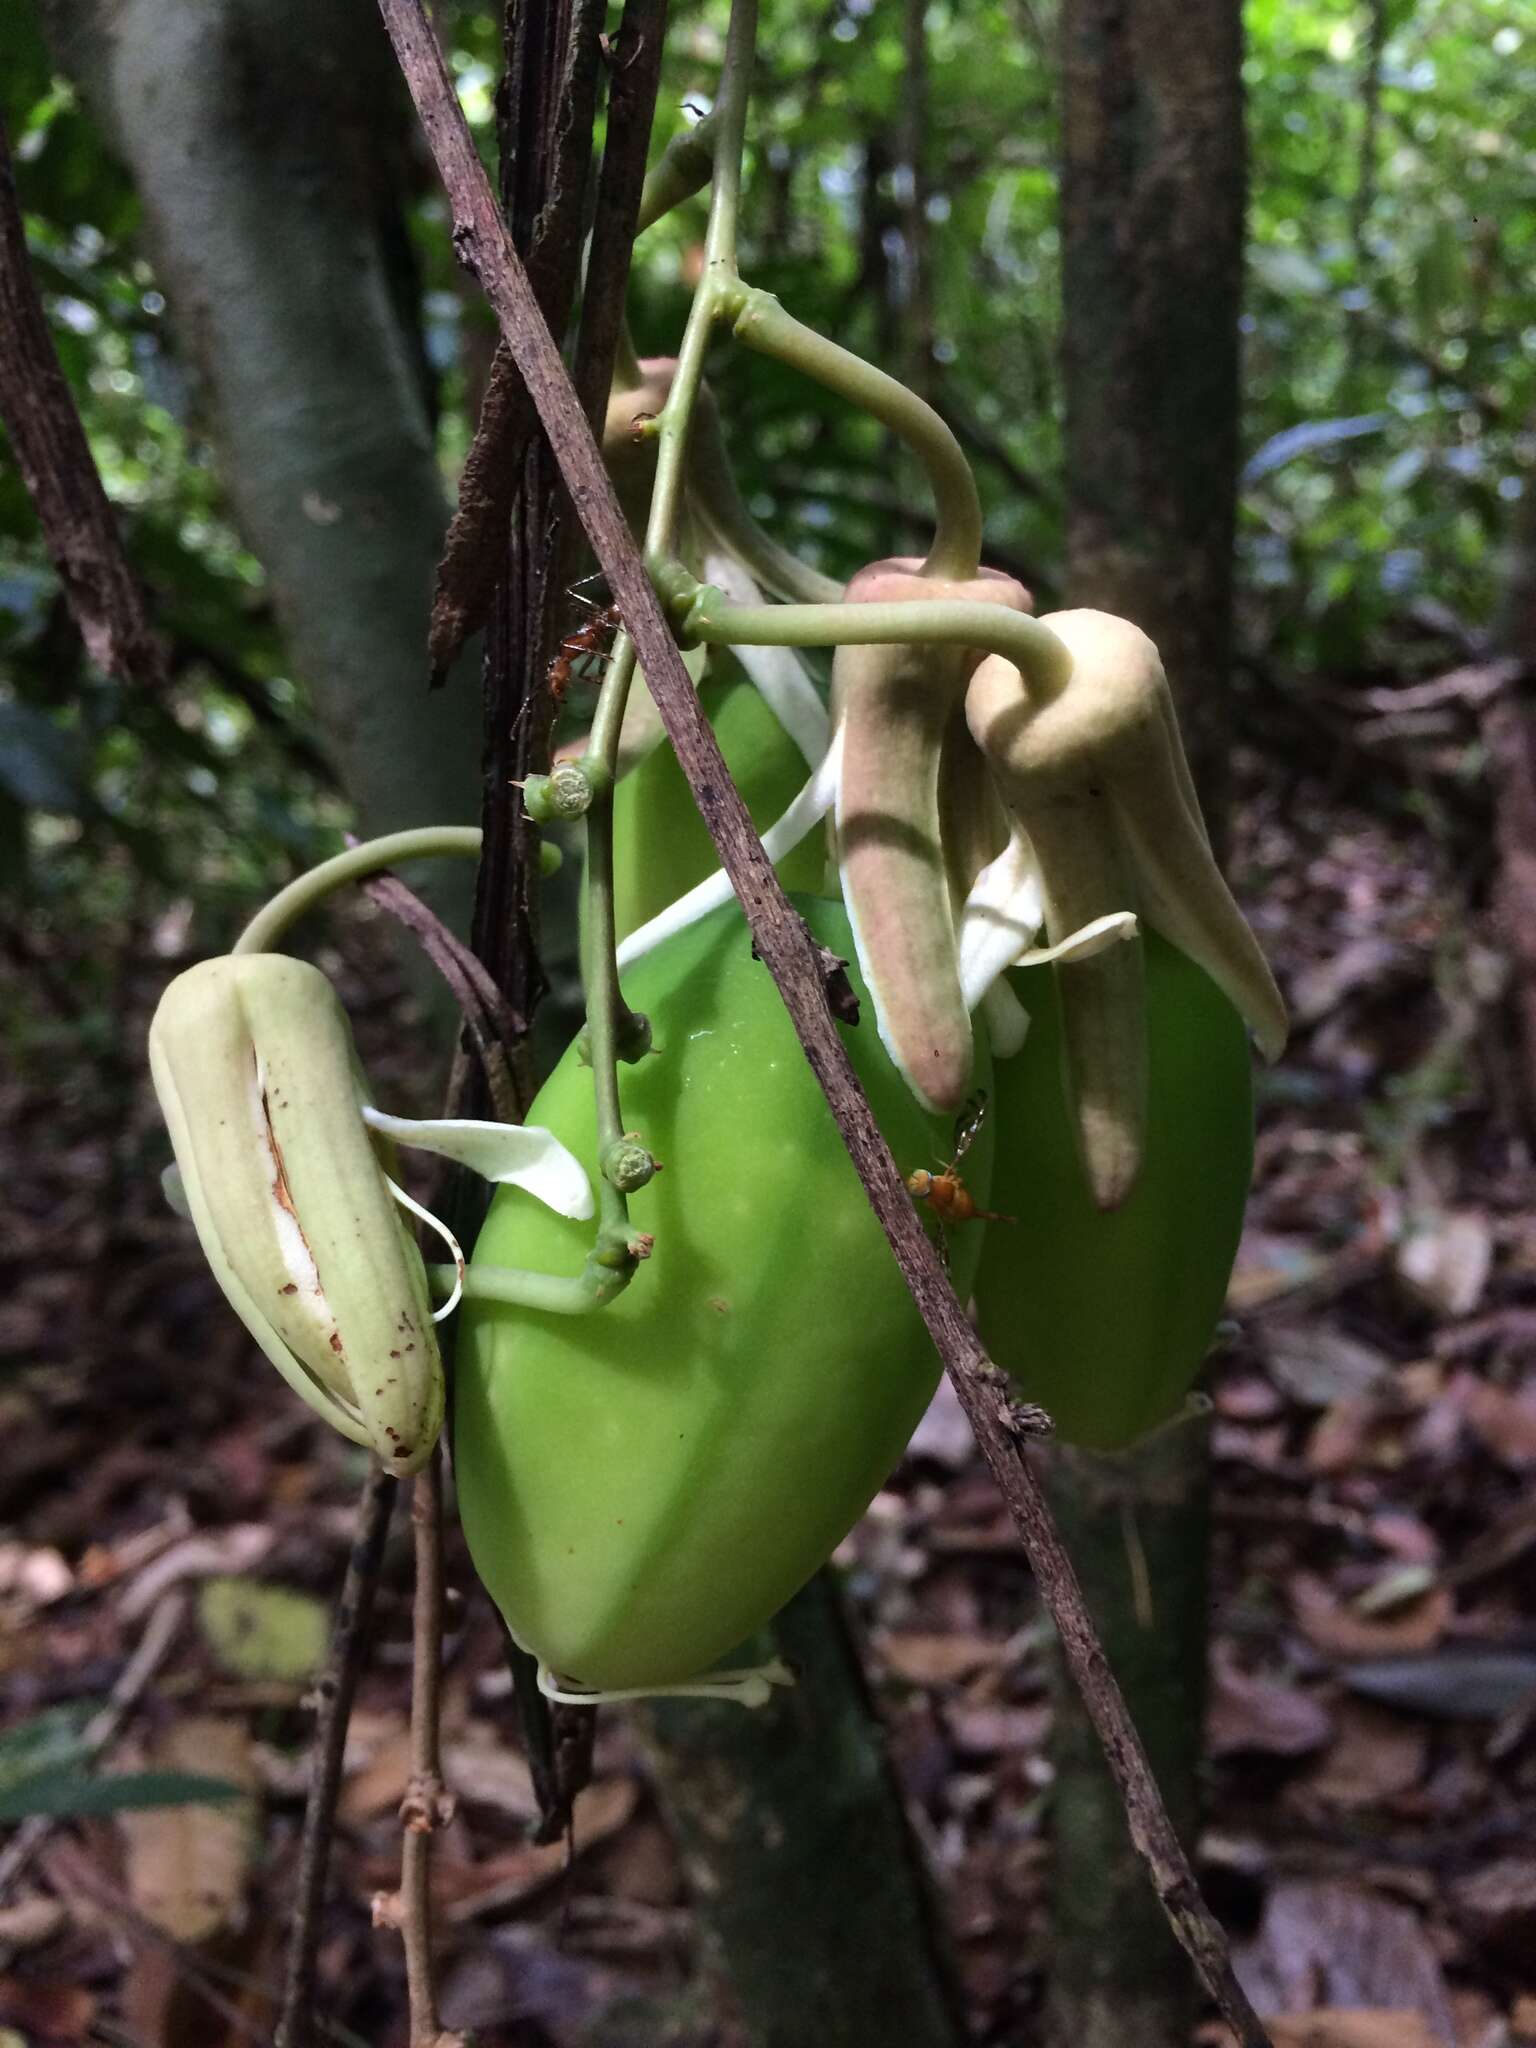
244 256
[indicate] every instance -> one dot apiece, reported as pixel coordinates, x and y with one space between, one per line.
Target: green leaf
259 1632
67 1794
49 1741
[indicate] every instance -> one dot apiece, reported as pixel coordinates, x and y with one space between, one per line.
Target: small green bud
564 794
627 1165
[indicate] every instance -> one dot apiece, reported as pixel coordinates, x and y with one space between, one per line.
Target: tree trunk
819 1919
1152 253
1137 1527
266 142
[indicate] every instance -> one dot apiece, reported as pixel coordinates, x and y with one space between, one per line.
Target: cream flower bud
254 1066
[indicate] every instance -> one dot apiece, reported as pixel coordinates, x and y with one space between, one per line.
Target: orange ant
951 1200
586 643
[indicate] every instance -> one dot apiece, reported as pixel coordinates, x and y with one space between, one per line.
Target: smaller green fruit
1104 1317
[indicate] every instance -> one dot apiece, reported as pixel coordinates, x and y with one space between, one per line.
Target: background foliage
1391 354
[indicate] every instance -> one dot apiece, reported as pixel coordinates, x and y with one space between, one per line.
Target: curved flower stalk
1096 778
287 1173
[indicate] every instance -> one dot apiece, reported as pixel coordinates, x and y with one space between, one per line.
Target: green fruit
1104 1318
660 846
644 1486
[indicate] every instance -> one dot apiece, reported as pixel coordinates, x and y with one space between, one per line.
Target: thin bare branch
428 1804
335 1692
487 1015
60 472
1002 1426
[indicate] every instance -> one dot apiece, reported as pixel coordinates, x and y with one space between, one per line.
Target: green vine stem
599 969
308 890
702 613
684 167
761 323
611 1261
556 1294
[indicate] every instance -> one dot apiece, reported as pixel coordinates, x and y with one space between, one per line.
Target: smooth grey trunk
1153 192
820 1922
266 141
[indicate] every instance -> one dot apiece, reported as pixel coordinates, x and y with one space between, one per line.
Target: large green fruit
642 1487
1105 1318
660 846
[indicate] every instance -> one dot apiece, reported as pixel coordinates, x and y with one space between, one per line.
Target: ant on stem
951 1200
587 642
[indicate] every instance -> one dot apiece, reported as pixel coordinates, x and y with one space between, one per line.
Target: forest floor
1372 1733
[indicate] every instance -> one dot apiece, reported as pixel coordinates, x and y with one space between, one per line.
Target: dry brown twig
1002 1426
428 1804
60 472
335 1691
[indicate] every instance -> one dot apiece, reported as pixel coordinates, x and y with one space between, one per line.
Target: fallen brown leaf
937 1659
46 2013
1375 1755
1323 1949
1353 2029
1261 1715
1341 1631
380 1783
470 1890
1504 1422
187 1865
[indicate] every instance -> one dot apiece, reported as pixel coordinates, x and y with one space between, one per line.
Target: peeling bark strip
634 78
1002 1425
475 550
59 470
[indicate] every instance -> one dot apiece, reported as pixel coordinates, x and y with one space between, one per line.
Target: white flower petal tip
1007 1020
1113 929
174 1189
512 1155
1003 912
750 1687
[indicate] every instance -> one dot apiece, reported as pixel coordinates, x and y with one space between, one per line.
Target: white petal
511 1155
174 1189
1097 936
807 811
1002 914
750 1687
1007 1019
780 675
436 1223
